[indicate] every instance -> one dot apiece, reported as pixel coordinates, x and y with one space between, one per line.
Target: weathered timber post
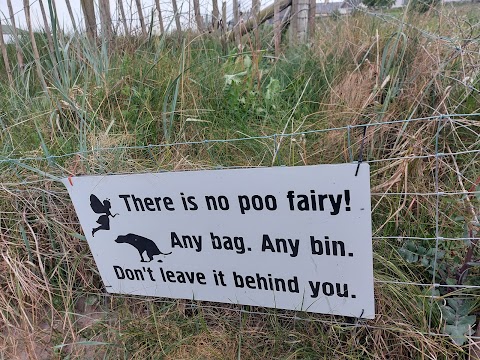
215 15
90 20
105 19
5 56
236 23
198 16
160 18
263 16
276 27
293 22
224 27
140 17
123 18
311 19
36 55
302 21
177 15
15 35
255 11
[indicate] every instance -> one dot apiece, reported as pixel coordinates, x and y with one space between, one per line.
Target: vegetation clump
103 107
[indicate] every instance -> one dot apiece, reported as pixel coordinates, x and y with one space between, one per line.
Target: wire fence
444 163
431 226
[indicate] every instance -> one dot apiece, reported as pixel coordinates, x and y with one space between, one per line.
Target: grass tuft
106 103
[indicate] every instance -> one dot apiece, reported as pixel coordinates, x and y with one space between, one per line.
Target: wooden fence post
90 20
255 11
5 56
140 17
105 19
302 21
198 16
160 18
293 22
312 10
263 16
36 55
224 27
123 18
15 35
236 23
215 15
276 27
177 15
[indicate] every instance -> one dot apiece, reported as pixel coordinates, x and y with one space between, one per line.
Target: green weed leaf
458 322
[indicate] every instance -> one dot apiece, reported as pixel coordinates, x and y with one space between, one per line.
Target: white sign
294 238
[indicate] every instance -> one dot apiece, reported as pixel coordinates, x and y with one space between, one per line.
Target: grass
103 102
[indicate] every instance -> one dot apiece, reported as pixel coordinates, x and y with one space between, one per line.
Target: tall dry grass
105 102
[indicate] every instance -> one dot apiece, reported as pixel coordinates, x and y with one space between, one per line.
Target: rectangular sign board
294 238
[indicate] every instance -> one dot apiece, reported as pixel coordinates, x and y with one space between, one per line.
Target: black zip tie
360 155
358 319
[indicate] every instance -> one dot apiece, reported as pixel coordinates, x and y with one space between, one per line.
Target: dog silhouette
142 244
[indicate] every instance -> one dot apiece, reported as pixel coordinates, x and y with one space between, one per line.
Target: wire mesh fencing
424 191
424 196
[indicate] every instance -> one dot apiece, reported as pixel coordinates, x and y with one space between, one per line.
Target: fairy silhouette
100 208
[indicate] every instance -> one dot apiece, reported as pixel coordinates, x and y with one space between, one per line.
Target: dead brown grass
52 302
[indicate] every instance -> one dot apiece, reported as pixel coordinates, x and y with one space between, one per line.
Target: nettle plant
454 263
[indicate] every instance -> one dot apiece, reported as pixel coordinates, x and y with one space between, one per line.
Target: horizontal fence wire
438 120
278 137
459 45
455 43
